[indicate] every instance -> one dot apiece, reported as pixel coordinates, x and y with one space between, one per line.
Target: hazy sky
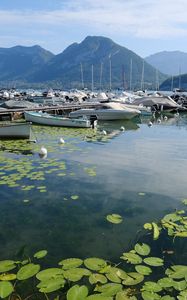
143 26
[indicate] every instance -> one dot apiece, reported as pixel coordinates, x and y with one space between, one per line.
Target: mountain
169 62
175 82
19 62
96 60
106 57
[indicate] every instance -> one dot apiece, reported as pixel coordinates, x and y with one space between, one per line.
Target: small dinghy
50 120
15 130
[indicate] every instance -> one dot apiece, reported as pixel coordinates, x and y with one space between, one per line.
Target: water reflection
81 181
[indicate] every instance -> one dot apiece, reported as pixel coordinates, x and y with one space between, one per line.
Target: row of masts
142 84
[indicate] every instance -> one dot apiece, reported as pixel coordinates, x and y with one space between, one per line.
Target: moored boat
51 120
108 111
15 130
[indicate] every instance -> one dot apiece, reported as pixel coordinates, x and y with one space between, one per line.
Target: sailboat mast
142 78
130 80
82 77
92 78
101 75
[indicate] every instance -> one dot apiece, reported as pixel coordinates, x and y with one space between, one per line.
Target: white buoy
176 114
159 121
150 124
165 118
61 141
104 132
122 128
43 151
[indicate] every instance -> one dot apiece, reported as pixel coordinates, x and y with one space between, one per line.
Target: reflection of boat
108 111
46 119
15 130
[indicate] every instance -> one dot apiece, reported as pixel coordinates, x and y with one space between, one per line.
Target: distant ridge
169 62
96 60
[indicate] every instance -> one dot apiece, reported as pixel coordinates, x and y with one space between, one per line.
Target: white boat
15 130
51 120
108 111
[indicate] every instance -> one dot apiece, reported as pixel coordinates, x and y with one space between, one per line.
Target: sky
143 26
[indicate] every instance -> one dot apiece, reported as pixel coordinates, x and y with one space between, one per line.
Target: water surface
60 202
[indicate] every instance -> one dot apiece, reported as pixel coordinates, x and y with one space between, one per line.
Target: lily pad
94 278
132 258
95 264
77 292
40 254
28 271
51 285
153 261
6 265
6 288
144 270
114 218
142 249
109 289
70 263
49 273
133 279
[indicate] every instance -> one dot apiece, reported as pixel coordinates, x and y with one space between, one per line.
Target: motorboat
54 120
15 130
159 103
107 111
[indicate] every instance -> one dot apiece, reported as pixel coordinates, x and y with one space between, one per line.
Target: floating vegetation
97 279
114 218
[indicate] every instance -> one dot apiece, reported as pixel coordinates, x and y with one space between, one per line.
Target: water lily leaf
28 271
150 296
6 265
182 295
167 297
70 263
109 289
180 285
144 270
171 217
177 271
142 249
77 292
40 254
6 288
165 282
114 218
51 285
184 201
156 231
132 258
133 279
98 297
124 296
153 261
94 278
7 277
148 226
74 197
49 273
95 264
151 286
75 274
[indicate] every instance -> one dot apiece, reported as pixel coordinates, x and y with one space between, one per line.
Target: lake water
60 202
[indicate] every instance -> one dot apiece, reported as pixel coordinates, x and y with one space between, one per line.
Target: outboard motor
93 121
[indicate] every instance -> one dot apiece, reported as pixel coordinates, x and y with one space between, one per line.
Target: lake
60 202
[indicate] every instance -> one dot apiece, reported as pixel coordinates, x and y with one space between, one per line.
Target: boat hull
46 119
105 114
15 130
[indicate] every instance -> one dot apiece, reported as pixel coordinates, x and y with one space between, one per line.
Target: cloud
143 19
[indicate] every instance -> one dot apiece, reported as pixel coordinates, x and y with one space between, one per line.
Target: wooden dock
63 109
